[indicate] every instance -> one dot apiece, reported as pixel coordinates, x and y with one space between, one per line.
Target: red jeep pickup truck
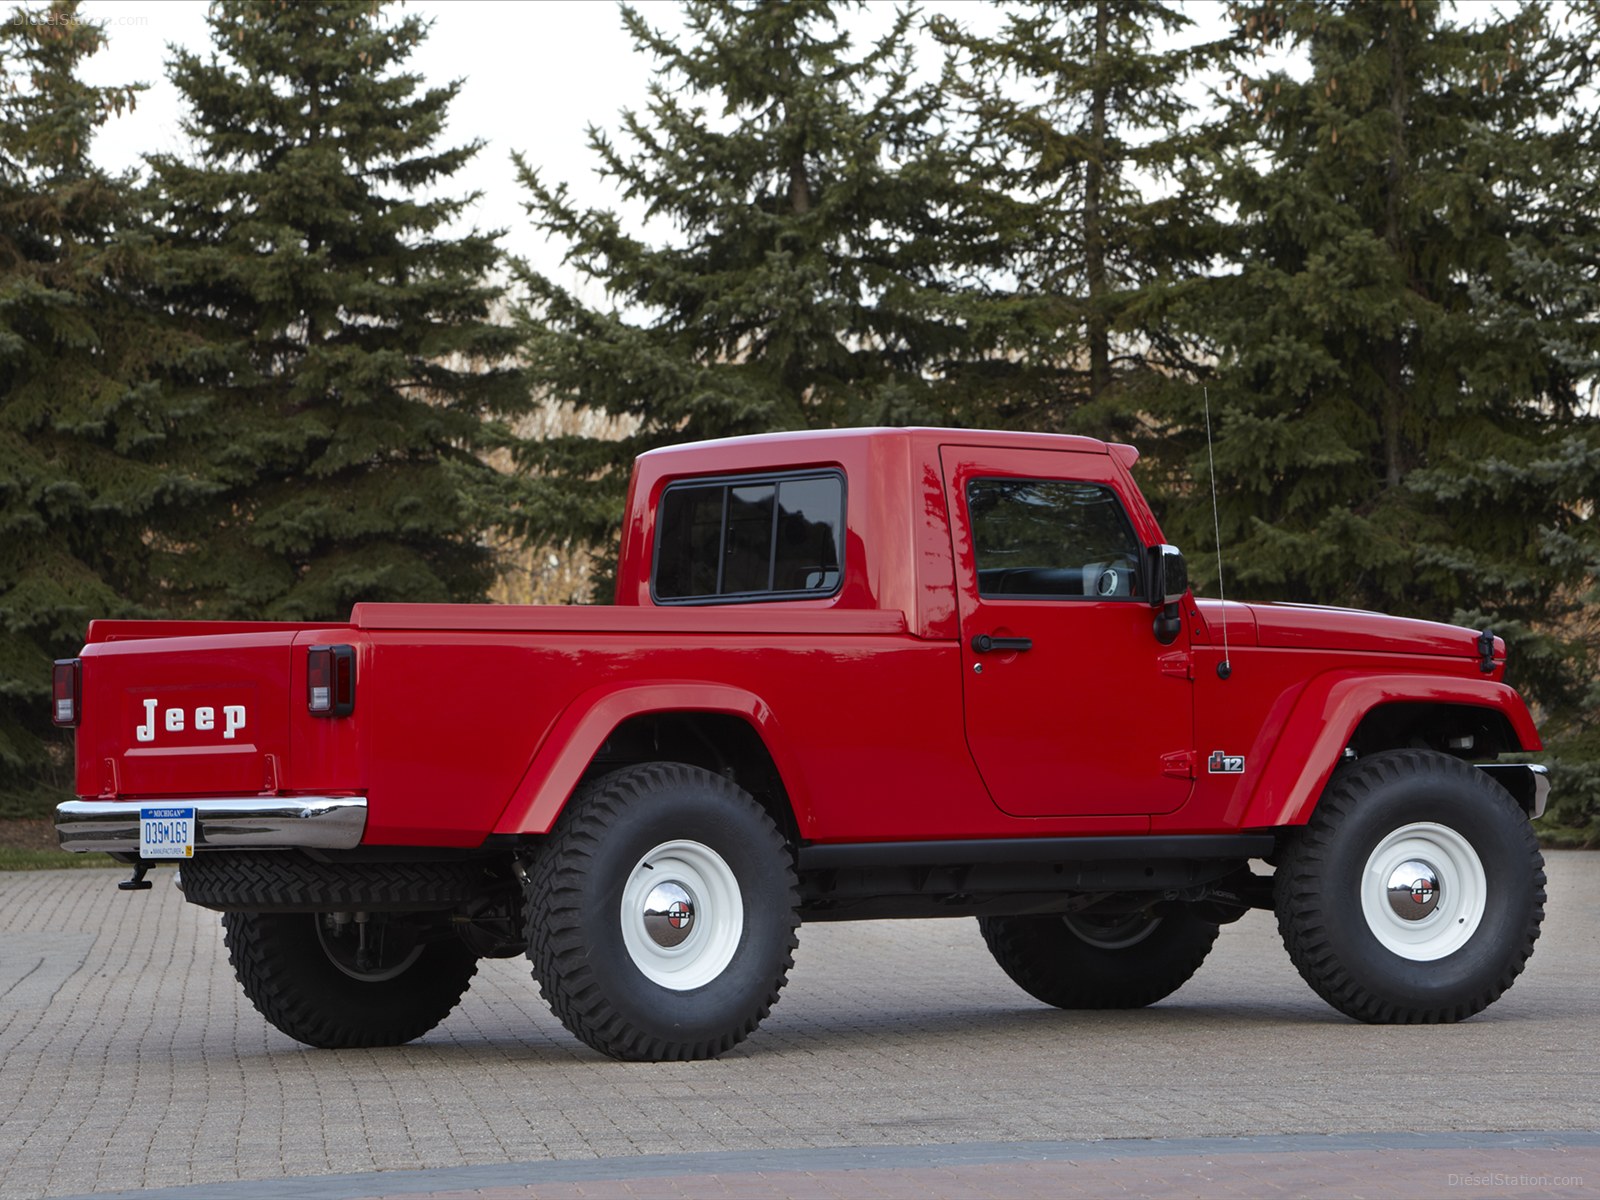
852 674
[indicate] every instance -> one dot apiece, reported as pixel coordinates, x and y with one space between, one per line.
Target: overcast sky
535 75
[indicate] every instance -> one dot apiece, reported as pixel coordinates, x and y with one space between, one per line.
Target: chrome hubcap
669 914
1413 890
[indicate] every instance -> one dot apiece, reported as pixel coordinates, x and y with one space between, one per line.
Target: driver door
1073 708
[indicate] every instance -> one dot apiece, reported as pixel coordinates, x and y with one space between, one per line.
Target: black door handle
982 643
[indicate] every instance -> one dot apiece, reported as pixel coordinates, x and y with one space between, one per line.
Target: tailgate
186 715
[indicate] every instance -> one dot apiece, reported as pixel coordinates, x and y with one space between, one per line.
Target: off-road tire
575 913
286 881
280 961
1060 961
1342 952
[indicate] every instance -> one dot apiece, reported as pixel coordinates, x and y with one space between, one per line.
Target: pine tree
819 231
351 370
1405 346
1554 276
88 449
1078 109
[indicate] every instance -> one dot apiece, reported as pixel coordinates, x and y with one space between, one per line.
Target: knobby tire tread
1046 960
1300 893
288 978
559 954
277 881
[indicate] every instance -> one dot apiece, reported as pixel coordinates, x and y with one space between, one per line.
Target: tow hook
137 882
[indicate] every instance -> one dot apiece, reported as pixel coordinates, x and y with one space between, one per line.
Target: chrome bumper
1529 783
260 823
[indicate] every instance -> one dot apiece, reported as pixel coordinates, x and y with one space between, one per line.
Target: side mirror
1169 576
1169 580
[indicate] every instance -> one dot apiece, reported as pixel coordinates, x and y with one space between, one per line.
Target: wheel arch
1368 713
727 730
1462 729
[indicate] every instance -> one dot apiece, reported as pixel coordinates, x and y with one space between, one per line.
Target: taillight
67 687
331 681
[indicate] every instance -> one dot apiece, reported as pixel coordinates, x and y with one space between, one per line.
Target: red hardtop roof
816 442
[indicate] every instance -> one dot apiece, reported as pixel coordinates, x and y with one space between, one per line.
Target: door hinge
1179 664
1179 765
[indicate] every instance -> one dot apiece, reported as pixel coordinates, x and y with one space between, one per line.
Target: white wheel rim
1454 905
697 876
339 953
1115 934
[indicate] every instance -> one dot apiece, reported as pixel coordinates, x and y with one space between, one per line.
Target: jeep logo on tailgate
202 719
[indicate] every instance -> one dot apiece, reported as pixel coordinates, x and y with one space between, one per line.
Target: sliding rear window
755 537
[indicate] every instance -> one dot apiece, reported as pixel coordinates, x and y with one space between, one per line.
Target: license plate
166 832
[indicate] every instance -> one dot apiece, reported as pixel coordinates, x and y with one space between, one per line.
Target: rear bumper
258 822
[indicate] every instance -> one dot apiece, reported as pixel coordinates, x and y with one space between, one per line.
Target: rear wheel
1415 893
1124 960
339 980
661 914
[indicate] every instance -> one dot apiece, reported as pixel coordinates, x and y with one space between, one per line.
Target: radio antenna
1225 667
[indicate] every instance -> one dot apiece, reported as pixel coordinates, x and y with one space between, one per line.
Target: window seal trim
1047 597
728 483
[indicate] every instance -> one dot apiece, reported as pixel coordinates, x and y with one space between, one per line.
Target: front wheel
661 914
1125 960
340 980
1415 893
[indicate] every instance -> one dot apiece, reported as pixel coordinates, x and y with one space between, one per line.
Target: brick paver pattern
1379 1175
132 1060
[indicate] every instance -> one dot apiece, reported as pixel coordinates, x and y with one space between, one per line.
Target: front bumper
257 822
1528 783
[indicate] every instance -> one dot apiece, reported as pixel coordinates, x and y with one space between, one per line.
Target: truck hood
1310 627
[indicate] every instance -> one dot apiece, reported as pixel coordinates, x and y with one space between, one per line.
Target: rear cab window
777 536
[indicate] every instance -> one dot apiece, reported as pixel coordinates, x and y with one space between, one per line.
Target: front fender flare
575 737
1325 718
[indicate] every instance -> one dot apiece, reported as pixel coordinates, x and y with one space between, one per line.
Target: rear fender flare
584 725
1325 718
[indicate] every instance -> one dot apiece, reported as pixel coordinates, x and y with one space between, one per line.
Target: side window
1052 538
769 537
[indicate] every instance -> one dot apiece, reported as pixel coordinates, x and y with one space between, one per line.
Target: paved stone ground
1316 1165
131 1060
